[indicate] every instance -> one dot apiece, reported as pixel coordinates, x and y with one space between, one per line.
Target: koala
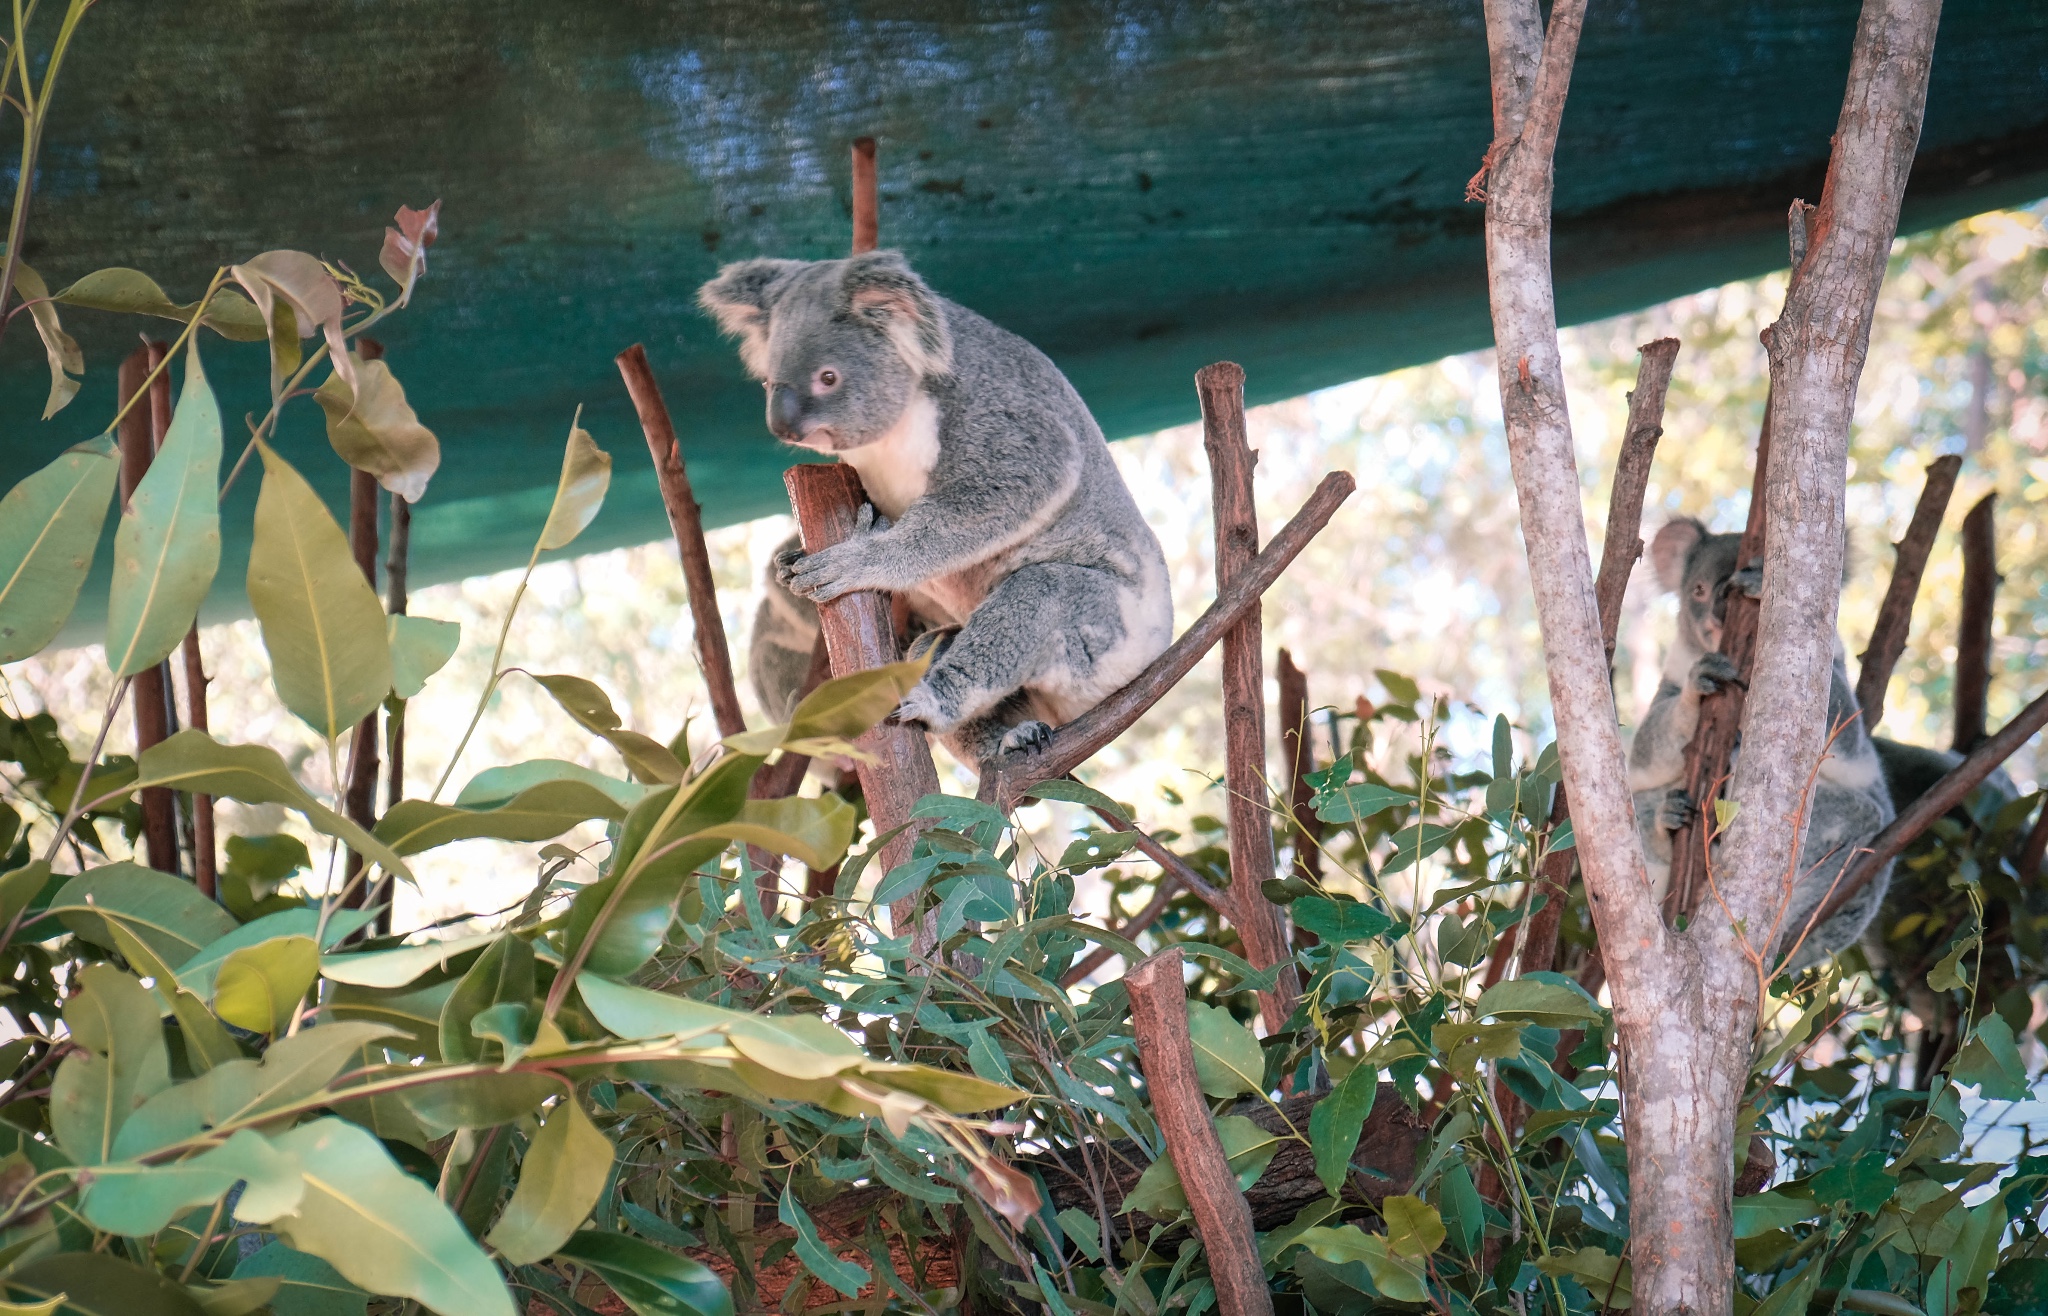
995 509
779 648
1851 802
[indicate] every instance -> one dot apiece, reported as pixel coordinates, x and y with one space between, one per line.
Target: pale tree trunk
1685 1004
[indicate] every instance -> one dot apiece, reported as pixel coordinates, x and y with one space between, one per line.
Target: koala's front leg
860 561
1658 756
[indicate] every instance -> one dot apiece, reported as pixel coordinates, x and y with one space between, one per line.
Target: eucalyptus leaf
121 1062
166 912
206 1043
198 972
1227 1056
502 974
538 813
815 831
309 1287
650 1280
260 987
579 493
135 1199
565 1170
132 292
1550 999
420 647
49 529
1399 1279
1247 1148
401 964
1335 1123
495 786
846 1276
99 1284
61 348
649 759
374 429
846 706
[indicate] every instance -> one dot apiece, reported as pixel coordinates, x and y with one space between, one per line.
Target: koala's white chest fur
896 468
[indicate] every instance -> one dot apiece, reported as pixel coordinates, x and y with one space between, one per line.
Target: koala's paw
1713 671
921 708
1750 580
824 575
785 565
1676 810
1030 737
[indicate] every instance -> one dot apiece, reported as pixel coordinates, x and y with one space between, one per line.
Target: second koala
1850 803
998 512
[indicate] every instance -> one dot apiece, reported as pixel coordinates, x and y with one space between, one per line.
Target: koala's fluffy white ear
739 299
881 288
1669 547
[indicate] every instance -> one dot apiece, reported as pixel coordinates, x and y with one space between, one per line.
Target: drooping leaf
99 1284
135 1199
132 292
649 759
260 987
253 774
849 1277
61 348
1550 999
1227 1056
816 831
1414 1229
420 647
846 706
166 912
310 1286
503 973
400 965
168 544
1948 974
49 528
321 621
566 1167
651 1280
404 255
383 1229
374 429
1247 1148
537 813
293 282
579 493
120 1064
1334 1125
1339 920
1355 803
637 1013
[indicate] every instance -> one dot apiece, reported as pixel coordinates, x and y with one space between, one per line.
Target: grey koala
1850 804
996 509
779 648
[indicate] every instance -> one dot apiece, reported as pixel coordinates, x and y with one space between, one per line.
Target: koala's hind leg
1044 627
1009 725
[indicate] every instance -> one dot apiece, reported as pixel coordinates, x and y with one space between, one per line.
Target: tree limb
1973 635
1895 614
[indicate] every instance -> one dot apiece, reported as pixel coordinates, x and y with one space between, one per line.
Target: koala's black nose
785 410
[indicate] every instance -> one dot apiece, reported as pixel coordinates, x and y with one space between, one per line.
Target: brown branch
148 691
1942 796
1159 1017
1973 636
1618 554
1260 922
1299 754
2035 848
867 210
859 635
1174 872
359 800
1895 614
1005 779
686 519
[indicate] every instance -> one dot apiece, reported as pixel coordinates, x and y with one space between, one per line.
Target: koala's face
1699 566
840 346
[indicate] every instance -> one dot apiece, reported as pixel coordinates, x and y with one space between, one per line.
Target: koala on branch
997 513
1850 802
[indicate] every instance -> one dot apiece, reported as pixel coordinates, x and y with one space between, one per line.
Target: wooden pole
1299 755
1973 637
147 691
359 798
1159 1017
867 208
1260 923
859 634
1895 614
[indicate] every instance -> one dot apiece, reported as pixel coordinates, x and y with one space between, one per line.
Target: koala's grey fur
996 506
1850 803
779 650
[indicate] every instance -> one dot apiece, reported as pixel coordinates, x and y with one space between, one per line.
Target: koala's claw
1030 737
1713 671
1676 810
1750 580
919 708
785 566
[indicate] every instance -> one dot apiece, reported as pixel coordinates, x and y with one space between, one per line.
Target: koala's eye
1699 590
828 379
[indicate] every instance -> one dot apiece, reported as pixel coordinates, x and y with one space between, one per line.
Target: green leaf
1335 1123
1339 920
414 1012
292 1069
1503 747
503 973
260 987
1948 975
1414 1229
311 1287
846 706
121 1063
650 1280
1074 792
97 1284
132 292
1247 1148
1550 999
168 544
1760 1213
20 886
1401 689
565 1170
321 621
134 1199
166 912
1399 1279
1227 1056
206 1043
383 1229
1354 804
199 972
49 529
480 1101
374 429
400 965
1605 1277
816 831
579 493
257 866
253 774
848 1277
1992 1061
420 647
62 350
538 813
495 786
637 1014
582 700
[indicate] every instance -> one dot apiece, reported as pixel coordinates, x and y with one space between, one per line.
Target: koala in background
996 509
1850 804
779 650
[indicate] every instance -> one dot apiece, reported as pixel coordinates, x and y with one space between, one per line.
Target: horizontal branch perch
1005 779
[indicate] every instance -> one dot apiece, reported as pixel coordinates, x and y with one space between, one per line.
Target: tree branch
1297 751
1895 614
1973 635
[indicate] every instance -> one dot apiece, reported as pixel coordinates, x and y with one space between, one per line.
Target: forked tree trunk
1685 1003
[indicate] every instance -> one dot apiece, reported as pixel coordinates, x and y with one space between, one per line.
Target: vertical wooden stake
152 723
1973 637
1259 922
867 207
859 634
359 796
1895 614
1159 1017
1299 754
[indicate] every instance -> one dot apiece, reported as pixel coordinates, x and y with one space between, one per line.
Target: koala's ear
881 289
1669 547
739 299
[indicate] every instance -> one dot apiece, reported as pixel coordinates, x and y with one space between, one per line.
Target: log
1895 614
1159 1016
1298 754
149 691
1973 637
859 634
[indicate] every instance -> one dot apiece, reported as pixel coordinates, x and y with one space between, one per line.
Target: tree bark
1973 636
1895 614
867 209
359 799
1297 751
149 691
